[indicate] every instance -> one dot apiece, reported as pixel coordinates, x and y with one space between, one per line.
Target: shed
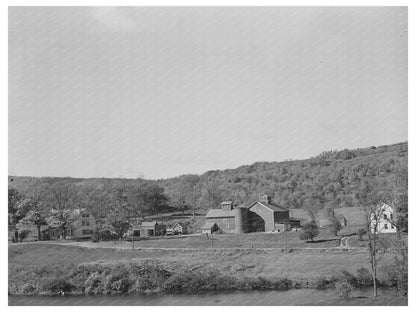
180 228
152 228
209 228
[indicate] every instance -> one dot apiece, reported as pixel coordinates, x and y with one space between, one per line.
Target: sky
157 92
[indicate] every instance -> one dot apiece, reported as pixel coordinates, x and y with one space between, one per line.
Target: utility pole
132 235
285 226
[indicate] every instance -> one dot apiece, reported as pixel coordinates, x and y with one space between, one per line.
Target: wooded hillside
331 179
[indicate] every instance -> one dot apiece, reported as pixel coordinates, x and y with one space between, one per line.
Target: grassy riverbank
45 268
151 276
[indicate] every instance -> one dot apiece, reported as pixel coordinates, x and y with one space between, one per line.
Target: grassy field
240 262
249 240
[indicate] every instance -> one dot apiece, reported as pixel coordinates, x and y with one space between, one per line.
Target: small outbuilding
209 228
152 228
180 228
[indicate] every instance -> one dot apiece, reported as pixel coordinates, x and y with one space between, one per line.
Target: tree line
328 181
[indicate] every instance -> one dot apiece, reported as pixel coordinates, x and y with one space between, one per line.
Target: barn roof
219 213
208 225
270 206
149 223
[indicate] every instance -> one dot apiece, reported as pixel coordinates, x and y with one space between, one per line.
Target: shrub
148 276
118 283
397 278
95 284
364 277
282 284
349 277
199 281
56 286
361 233
95 238
334 225
323 282
309 231
118 280
29 289
343 288
23 234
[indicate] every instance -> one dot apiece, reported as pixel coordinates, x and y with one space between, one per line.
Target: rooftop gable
270 206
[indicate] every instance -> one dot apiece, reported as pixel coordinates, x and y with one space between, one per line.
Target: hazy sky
118 92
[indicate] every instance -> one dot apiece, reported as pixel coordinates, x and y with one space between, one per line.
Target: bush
364 277
57 286
118 283
309 231
199 281
335 225
361 233
397 278
343 288
148 276
29 289
349 277
95 284
23 234
323 282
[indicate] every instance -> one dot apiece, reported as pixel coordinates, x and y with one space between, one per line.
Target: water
235 298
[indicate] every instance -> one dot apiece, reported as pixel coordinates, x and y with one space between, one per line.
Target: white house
385 215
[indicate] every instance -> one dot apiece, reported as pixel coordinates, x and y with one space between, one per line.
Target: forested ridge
330 179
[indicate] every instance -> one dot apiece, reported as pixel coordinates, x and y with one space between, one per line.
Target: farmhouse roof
219 213
270 206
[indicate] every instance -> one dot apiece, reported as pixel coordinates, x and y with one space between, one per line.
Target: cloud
113 18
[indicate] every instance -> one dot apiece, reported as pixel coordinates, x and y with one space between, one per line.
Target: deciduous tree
370 203
309 231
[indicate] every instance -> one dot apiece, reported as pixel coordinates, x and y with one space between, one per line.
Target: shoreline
292 297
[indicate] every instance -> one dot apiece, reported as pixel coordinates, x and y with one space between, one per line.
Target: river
235 298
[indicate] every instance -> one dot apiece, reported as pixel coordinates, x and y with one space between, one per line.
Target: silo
241 214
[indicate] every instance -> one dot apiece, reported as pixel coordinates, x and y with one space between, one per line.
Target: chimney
263 198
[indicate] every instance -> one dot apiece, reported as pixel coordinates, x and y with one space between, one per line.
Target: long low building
260 216
146 229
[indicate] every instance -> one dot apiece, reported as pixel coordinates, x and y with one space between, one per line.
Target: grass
248 240
36 268
240 262
143 276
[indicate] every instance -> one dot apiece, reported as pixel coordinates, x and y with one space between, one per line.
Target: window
86 223
85 215
385 216
392 226
87 232
385 226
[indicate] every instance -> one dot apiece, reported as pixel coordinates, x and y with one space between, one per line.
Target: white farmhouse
385 215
